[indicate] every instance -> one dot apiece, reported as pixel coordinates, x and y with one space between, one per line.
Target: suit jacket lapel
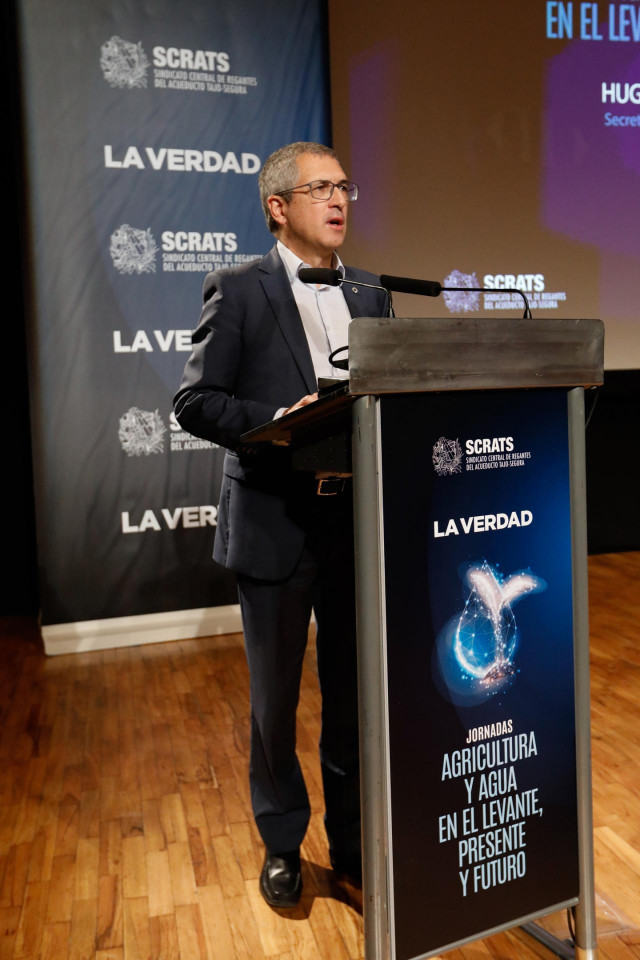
360 300
275 283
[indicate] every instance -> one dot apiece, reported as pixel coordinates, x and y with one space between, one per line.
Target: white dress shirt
324 312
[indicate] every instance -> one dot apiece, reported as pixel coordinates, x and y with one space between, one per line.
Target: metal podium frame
397 355
390 356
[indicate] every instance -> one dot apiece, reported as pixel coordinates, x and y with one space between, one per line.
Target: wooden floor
125 825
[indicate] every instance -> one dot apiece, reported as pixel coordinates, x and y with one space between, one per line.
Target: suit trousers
276 619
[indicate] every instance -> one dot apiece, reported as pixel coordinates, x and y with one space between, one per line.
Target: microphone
332 278
423 288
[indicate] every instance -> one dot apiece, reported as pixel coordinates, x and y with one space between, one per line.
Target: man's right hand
310 398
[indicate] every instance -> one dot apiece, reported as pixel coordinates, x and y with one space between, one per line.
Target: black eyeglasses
323 189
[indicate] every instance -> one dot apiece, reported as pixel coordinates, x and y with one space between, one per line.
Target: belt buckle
330 486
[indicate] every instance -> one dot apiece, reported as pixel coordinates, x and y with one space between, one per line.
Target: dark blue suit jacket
250 358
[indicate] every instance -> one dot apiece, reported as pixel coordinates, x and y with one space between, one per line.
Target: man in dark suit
263 339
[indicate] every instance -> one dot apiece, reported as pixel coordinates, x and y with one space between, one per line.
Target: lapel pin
354 289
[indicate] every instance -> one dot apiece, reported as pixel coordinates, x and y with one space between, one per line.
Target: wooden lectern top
409 355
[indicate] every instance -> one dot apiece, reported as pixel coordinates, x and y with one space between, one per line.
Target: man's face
312 228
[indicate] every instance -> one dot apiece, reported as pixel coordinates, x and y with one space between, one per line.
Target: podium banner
146 128
478 586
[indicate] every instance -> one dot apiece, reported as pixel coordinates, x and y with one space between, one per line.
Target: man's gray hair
280 172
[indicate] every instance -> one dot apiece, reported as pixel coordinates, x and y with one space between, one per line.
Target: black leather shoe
280 880
348 865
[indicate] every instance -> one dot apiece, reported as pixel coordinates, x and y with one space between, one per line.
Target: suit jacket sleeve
210 402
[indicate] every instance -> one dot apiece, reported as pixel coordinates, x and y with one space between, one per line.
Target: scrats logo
123 64
458 301
526 282
133 250
446 457
141 432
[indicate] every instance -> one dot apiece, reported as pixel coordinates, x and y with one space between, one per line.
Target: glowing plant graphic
476 649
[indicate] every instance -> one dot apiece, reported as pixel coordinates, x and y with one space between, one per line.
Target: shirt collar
293 263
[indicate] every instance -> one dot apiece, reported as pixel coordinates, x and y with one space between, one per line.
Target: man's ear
277 207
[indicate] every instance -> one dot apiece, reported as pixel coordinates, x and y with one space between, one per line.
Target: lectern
466 443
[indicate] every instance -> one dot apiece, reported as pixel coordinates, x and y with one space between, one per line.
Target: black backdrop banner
146 127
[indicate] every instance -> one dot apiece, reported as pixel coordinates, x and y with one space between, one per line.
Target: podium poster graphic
146 127
478 584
